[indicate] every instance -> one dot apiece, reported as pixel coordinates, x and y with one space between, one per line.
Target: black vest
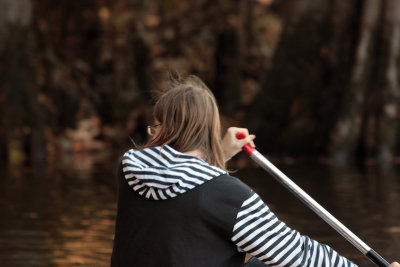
190 230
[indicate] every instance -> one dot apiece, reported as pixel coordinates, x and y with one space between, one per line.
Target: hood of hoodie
161 173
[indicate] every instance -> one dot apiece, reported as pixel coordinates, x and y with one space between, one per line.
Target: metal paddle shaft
311 203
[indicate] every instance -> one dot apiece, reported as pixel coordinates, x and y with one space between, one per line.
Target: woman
178 206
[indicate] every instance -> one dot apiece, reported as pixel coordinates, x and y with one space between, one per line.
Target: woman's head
189 118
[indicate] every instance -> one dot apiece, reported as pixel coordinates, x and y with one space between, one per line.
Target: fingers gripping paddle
312 204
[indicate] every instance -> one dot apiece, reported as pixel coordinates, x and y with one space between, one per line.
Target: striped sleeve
259 232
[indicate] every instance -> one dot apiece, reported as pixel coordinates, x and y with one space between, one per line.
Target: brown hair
189 116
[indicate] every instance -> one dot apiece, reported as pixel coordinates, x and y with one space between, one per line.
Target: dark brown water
63 214
58 215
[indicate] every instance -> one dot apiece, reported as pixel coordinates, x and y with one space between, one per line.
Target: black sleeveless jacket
192 229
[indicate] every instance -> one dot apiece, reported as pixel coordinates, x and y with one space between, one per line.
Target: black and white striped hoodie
184 212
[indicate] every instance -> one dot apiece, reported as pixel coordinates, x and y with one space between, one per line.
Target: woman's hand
231 145
394 264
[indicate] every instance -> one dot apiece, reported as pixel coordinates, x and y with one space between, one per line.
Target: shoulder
228 187
221 199
231 182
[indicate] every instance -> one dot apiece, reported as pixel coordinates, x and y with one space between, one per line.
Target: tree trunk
338 55
378 128
349 123
22 118
390 90
284 113
227 70
3 132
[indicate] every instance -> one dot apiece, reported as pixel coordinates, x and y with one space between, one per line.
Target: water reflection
62 214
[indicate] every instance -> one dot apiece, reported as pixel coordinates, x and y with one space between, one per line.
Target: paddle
312 204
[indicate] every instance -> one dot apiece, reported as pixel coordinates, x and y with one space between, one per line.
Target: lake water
62 214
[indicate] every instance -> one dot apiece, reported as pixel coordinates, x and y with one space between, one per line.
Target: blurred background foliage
312 79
